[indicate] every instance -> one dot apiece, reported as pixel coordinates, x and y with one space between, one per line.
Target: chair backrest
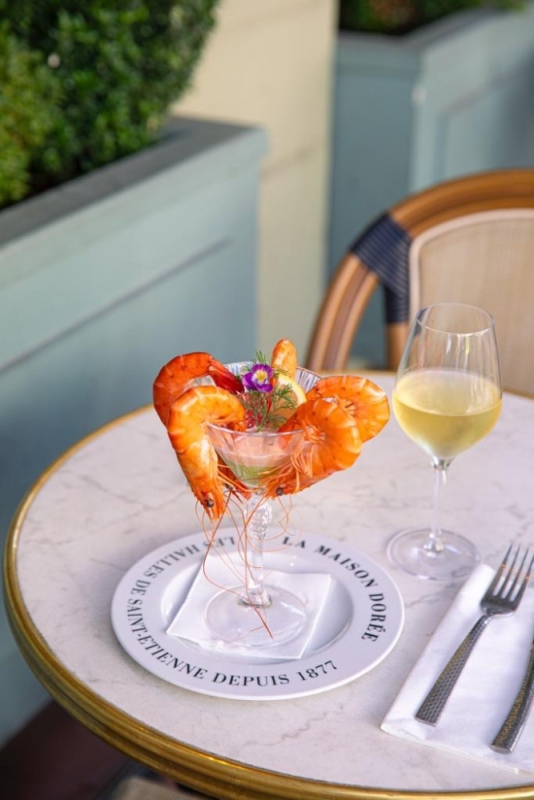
466 240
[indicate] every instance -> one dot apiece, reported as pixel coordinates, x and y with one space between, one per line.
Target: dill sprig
268 403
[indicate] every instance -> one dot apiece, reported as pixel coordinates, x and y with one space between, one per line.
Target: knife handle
511 730
432 706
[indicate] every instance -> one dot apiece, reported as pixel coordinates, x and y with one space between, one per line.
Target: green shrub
27 89
401 16
99 76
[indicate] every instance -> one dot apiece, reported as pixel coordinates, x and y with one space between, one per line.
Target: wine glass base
236 622
410 551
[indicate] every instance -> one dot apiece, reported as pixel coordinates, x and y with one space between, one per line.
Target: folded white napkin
190 621
486 689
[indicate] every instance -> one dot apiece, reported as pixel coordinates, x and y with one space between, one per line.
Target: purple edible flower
259 379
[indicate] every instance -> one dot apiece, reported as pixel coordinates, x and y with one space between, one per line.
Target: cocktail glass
255 613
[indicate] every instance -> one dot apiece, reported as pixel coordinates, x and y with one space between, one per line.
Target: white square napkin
190 621
486 689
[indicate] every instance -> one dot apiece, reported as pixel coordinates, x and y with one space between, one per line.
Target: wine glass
254 613
447 397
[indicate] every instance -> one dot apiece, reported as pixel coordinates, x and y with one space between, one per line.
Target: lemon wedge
293 397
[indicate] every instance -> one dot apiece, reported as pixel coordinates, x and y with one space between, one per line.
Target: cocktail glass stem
258 516
435 544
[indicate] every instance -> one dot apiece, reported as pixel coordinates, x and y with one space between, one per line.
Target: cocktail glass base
416 552
232 619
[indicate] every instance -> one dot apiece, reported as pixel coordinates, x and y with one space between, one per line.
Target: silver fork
502 597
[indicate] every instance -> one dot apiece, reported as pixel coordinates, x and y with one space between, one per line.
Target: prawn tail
224 378
284 357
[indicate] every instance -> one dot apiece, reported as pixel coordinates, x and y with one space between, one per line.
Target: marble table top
121 494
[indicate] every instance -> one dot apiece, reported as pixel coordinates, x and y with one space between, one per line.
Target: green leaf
87 82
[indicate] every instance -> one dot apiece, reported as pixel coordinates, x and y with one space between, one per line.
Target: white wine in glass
447 397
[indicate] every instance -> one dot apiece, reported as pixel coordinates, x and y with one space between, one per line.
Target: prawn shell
284 357
187 425
175 377
365 401
331 442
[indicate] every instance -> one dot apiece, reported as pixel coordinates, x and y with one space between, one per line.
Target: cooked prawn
366 402
331 442
187 429
174 377
284 357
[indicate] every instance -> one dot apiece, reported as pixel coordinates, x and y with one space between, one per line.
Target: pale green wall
101 294
452 98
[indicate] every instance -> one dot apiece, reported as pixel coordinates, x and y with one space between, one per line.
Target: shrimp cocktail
250 432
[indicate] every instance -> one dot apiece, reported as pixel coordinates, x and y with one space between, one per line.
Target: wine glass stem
258 515
435 544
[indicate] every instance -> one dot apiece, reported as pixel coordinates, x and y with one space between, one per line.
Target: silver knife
512 728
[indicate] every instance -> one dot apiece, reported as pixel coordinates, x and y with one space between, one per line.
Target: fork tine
498 575
512 573
526 579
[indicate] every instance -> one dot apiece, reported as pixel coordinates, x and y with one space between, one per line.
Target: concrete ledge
202 146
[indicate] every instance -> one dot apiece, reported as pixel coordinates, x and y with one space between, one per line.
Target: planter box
452 98
101 282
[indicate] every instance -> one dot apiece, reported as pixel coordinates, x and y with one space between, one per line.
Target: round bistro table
119 494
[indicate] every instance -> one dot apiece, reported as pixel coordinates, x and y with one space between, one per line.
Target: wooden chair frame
353 283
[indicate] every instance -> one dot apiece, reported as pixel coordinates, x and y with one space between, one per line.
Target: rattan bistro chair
467 240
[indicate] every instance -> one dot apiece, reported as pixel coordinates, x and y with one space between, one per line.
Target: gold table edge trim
200 769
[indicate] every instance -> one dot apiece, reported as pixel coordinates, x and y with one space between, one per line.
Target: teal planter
102 281
453 98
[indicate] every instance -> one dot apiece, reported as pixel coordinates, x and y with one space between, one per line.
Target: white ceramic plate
359 625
